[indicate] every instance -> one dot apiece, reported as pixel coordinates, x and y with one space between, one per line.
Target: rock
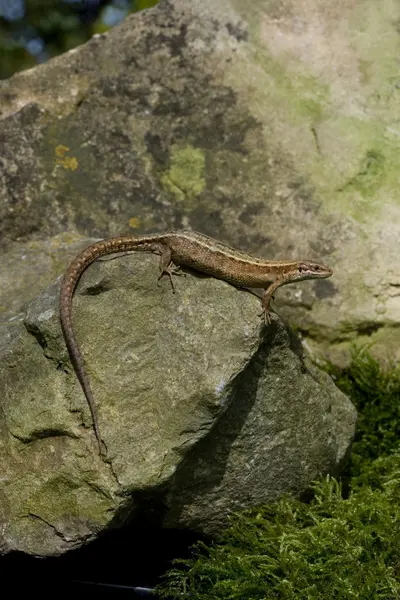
203 410
270 127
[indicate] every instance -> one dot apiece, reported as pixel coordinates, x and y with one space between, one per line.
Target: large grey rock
199 405
273 126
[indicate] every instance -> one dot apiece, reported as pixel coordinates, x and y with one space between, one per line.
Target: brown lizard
180 248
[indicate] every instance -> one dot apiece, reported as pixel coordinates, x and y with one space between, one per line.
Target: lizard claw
170 271
266 315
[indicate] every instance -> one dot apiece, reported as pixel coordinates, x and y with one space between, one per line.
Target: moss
369 177
375 392
332 547
351 161
303 94
185 176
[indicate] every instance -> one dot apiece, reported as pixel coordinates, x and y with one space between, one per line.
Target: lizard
176 249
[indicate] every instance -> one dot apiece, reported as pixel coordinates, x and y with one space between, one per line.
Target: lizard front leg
267 297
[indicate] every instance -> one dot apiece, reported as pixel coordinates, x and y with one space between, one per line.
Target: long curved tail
68 285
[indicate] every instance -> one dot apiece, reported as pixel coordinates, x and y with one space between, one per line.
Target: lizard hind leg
167 267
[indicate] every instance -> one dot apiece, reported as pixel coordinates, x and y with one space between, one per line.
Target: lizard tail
68 285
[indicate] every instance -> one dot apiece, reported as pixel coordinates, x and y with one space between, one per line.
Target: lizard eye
300 269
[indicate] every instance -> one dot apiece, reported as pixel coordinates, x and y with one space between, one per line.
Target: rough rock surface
202 408
270 125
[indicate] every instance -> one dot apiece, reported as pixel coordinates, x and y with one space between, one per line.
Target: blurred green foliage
32 31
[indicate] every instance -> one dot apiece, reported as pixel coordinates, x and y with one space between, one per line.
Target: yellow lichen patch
61 150
68 162
134 222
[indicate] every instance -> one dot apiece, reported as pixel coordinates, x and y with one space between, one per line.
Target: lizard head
312 270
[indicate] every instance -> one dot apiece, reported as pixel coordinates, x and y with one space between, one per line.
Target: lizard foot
170 271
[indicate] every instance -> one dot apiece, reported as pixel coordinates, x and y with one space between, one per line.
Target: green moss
303 95
351 161
332 547
369 177
185 176
375 392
